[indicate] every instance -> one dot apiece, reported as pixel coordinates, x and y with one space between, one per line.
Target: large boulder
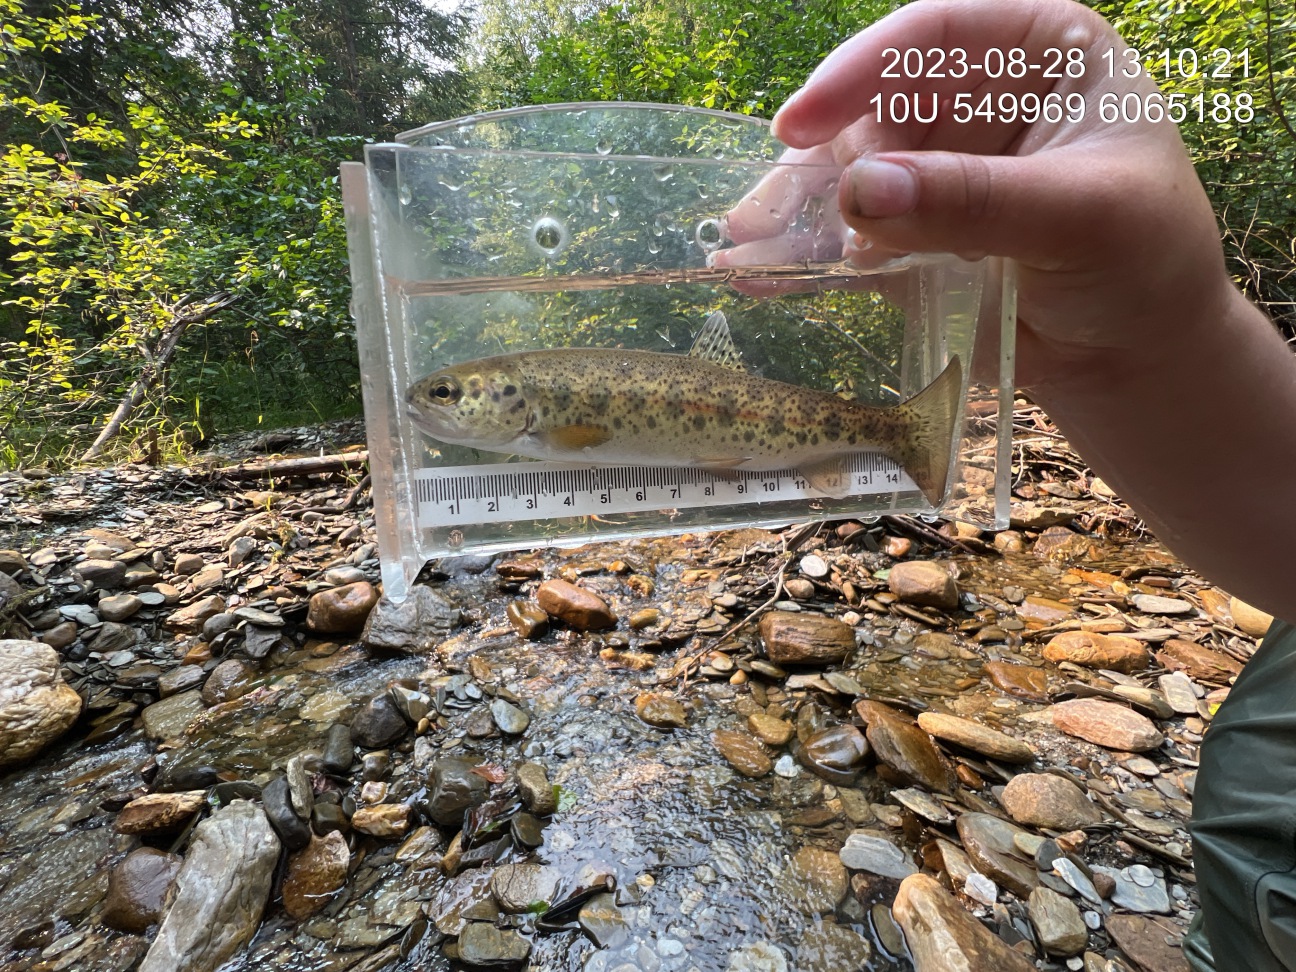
36 705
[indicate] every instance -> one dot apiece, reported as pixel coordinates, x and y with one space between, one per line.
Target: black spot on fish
652 422
495 396
801 437
814 438
520 403
510 390
749 435
616 422
699 421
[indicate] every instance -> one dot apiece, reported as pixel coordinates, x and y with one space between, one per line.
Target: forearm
1197 432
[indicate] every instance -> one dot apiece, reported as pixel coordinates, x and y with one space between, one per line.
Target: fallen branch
302 466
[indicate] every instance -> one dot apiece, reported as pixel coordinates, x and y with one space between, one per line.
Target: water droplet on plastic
405 194
664 173
775 214
613 207
604 147
654 246
450 185
549 234
702 191
718 154
594 204
708 235
657 228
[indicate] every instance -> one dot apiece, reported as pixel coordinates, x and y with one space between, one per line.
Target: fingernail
881 190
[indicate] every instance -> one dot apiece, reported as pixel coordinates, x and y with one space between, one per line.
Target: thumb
1039 209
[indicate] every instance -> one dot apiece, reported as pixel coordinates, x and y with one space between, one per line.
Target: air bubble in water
664 173
405 194
708 235
549 234
604 147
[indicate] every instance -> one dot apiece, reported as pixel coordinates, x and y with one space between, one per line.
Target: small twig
302 466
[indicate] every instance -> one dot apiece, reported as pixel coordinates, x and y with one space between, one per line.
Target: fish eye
445 391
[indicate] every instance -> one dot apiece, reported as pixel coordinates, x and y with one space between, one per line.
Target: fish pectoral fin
714 343
828 477
575 437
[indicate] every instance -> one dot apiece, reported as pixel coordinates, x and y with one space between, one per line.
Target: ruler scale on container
453 496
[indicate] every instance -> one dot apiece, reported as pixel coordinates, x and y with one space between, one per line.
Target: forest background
171 232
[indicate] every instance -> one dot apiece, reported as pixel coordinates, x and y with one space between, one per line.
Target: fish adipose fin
828 477
714 343
932 421
576 437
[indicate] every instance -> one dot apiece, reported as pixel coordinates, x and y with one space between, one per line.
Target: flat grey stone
877 855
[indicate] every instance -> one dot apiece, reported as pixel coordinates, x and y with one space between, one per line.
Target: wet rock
102 573
924 582
838 749
1249 620
906 749
1157 604
989 844
222 890
315 874
528 620
338 610
300 790
170 717
218 624
1093 650
575 606
794 638
759 956
1106 724
743 752
660 710
60 636
386 820
769 730
483 946
1057 922
819 879
1022 681
339 750
976 737
509 719
180 679
327 818
1198 661
415 626
602 921
113 637
453 788
865 851
159 813
829 947
943 937
536 791
119 607
139 888
231 679
379 723
1154 944
36 705
189 619
277 801
1136 888
518 888
1045 800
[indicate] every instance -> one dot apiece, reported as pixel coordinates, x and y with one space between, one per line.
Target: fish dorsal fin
714 343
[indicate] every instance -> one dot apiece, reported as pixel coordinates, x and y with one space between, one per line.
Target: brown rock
989 843
1198 661
1057 922
924 582
743 752
771 731
387 820
102 573
188 563
119 607
793 638
1042 610
11 562
113 636
976 737
661 711
189 619
900 744
1023 681
1106 724
943 937
1045 800
528 620
1094 650
819 878
1215 603
61 635
159 813
231 679
581 609
1147 942
341 609
36 705
139 889
314 874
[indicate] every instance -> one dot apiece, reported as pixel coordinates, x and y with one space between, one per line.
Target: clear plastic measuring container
633 227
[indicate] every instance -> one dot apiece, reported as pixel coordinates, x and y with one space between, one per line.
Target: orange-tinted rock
743 752
1106 724
581 609
943 937
1251 620
1042 610
1046 800
924 582
1198 661
976 737
159 813
1093 650
1023 681
138 889
314 874
341 609
900 744
793 638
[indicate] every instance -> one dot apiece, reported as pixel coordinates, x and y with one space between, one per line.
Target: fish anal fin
574 437
828 477
714 343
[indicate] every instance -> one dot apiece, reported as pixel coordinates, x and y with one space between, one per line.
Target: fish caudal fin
933 418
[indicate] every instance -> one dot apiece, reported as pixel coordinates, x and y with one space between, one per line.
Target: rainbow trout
605 406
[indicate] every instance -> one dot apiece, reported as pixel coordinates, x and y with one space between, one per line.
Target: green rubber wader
1244 820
